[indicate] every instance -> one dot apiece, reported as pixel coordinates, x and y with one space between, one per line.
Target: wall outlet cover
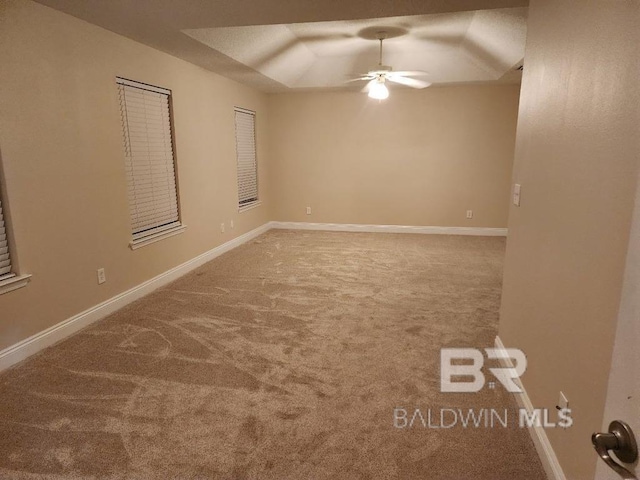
563 402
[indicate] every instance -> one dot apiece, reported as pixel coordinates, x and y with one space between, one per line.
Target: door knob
622 442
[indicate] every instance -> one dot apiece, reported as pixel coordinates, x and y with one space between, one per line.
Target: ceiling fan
377 78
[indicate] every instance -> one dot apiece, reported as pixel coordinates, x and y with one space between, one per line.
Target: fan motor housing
381 69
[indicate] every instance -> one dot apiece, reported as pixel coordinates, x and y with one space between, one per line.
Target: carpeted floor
283 359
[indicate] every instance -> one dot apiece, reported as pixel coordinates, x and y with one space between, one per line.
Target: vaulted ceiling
284 45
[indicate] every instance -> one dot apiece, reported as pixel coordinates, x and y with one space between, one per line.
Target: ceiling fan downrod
381 36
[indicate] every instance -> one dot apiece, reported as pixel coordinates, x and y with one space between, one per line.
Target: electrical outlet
101 276
563 404
516 194
562 401
308 210
469 213
231 223
222 227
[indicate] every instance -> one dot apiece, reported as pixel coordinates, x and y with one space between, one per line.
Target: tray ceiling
285 45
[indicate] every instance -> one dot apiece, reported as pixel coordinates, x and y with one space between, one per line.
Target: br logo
468 363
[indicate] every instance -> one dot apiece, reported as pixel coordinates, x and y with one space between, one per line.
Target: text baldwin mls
478 418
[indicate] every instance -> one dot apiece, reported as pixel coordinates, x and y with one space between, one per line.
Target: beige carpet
283 359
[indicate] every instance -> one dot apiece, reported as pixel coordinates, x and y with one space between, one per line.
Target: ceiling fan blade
409 82
411 73
359 79
368 86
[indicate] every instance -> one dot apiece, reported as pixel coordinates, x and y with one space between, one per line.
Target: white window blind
149 160
5 259
246 154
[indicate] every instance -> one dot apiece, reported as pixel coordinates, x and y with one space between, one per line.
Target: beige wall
419 158
422 158
577 159
62 157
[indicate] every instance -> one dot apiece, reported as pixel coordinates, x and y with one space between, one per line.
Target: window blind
149 160
246 155
5 259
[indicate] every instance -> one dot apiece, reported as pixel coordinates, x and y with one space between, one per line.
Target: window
246 154
5 259
149 162
8 279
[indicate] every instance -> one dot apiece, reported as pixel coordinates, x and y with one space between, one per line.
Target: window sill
156 237
13 283
249 206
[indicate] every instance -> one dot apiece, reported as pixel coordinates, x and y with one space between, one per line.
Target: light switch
516 194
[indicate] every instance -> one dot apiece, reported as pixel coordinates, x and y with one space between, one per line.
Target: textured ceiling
279 45
456 47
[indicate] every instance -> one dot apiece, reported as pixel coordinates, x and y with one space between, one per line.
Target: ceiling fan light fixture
379 90
377 77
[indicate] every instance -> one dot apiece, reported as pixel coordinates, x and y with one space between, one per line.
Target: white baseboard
539 436
353 227
21 350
